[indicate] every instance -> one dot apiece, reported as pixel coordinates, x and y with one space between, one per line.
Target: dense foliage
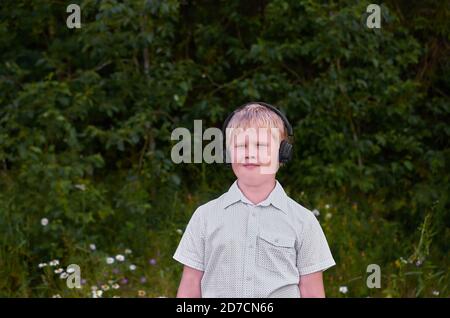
86 117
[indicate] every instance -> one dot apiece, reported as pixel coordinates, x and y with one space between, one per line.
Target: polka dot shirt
253 251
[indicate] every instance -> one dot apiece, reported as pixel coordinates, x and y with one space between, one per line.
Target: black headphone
285 153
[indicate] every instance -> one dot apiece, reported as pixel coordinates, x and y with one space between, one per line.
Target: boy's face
254 154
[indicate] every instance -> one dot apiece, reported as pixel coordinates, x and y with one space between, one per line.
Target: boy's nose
250 154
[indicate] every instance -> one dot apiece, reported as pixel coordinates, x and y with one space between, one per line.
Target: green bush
86 116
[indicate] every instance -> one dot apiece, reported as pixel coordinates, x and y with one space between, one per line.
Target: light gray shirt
248 250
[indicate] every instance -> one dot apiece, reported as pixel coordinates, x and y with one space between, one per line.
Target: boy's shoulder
299 211
211 206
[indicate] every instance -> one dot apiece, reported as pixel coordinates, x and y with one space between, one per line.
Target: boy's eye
258 145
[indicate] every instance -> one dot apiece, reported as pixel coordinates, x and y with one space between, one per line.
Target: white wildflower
97 293
41 265
132 267
105 287
55 262
343 289
120 257
92 247
316 212
44 221
59 271
109 260
64 275
81 187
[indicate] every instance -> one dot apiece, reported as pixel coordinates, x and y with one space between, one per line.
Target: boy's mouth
250 165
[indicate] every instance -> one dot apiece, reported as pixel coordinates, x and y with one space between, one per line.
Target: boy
254 241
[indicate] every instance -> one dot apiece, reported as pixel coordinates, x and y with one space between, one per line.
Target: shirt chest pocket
276 252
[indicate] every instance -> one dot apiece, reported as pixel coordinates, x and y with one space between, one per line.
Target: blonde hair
258 116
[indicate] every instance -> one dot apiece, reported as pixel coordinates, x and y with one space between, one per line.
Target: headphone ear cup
285 154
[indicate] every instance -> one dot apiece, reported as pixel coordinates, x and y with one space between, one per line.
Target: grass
412 263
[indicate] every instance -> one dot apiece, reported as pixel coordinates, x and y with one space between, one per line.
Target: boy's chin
263 169
254 175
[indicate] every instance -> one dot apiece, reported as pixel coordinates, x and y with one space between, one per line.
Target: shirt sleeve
313 252
190 251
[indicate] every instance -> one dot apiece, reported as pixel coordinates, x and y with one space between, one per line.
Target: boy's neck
257 193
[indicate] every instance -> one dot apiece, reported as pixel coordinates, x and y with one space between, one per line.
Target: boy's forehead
254 133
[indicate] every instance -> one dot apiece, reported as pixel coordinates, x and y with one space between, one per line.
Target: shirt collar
277 197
